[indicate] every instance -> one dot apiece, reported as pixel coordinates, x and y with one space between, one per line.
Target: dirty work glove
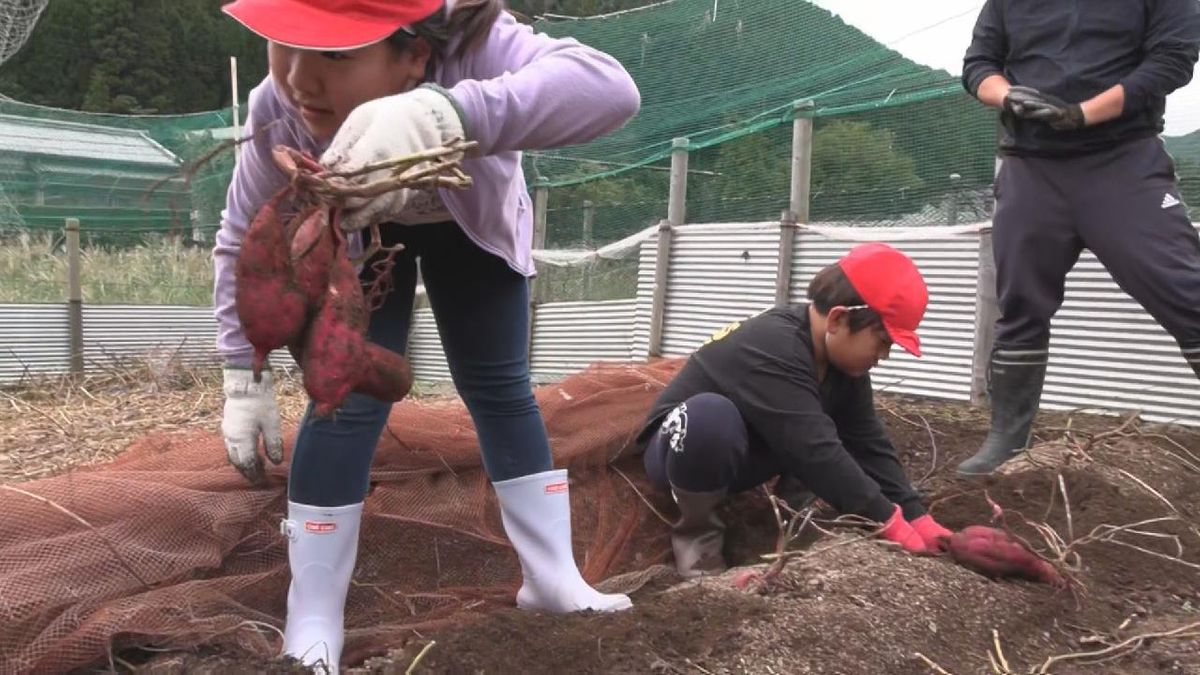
936 537
387 128
897 530
1030 104
251 413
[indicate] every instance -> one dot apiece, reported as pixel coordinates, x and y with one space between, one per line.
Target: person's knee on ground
705 441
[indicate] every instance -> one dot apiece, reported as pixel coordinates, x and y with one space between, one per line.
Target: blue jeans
481 307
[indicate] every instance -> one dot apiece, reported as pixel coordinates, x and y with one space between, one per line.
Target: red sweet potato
387 375
996 554
313 250
269 304
334 350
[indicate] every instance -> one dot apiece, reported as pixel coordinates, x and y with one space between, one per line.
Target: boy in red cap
787 393
354 82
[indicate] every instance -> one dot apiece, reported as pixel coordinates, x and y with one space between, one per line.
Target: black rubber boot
699 535
1015 379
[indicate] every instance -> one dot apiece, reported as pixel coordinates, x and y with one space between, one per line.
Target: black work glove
1030 104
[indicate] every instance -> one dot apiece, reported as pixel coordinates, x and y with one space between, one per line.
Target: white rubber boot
322 546
536 511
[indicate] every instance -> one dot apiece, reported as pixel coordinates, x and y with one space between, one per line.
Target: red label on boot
555 488
317 527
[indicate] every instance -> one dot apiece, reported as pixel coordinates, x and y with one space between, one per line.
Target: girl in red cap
355 81
787 393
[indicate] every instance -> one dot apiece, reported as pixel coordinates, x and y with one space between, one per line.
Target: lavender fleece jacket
518 90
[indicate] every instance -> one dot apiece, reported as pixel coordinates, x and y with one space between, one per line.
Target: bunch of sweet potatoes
297 288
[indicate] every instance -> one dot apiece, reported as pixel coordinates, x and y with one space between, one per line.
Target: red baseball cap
889 283
330 25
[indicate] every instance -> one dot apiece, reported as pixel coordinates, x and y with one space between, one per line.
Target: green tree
745 179
114 43
59 45
859 173
164 56
621 206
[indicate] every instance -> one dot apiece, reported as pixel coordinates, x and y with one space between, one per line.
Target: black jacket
1076 49
826 434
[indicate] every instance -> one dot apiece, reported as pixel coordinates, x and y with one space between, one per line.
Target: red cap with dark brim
330 25
889 283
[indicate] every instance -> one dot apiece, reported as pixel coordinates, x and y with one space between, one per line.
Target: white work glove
251 413
388 128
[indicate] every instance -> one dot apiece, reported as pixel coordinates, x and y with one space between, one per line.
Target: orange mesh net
168 546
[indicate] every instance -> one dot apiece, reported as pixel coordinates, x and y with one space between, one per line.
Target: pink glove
898 530
935 536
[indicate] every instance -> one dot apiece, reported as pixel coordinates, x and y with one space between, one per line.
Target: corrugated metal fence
1106 351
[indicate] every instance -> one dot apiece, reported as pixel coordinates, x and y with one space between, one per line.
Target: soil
849 604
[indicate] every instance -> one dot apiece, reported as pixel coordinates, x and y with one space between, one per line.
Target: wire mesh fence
892 143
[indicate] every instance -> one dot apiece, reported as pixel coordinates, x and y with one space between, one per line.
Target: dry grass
33 269
160 272
51 425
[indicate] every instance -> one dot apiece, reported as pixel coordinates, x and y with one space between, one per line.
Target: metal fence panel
568 336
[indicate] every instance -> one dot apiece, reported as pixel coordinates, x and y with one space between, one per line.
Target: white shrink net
17 19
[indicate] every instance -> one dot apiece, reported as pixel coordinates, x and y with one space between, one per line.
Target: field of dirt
1114 500
848 605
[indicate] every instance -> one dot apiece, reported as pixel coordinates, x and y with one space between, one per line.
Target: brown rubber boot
698 536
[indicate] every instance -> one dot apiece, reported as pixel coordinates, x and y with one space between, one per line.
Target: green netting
122 176
888 133
147 219
894 143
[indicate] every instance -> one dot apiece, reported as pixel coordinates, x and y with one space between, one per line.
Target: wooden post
952 200
676 212
802 146
541 201
589 220
74 297
677 201
787 247
658 305
799 199
237 118
987 312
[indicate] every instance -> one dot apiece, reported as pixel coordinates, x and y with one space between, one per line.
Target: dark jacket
825 433
1076 49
